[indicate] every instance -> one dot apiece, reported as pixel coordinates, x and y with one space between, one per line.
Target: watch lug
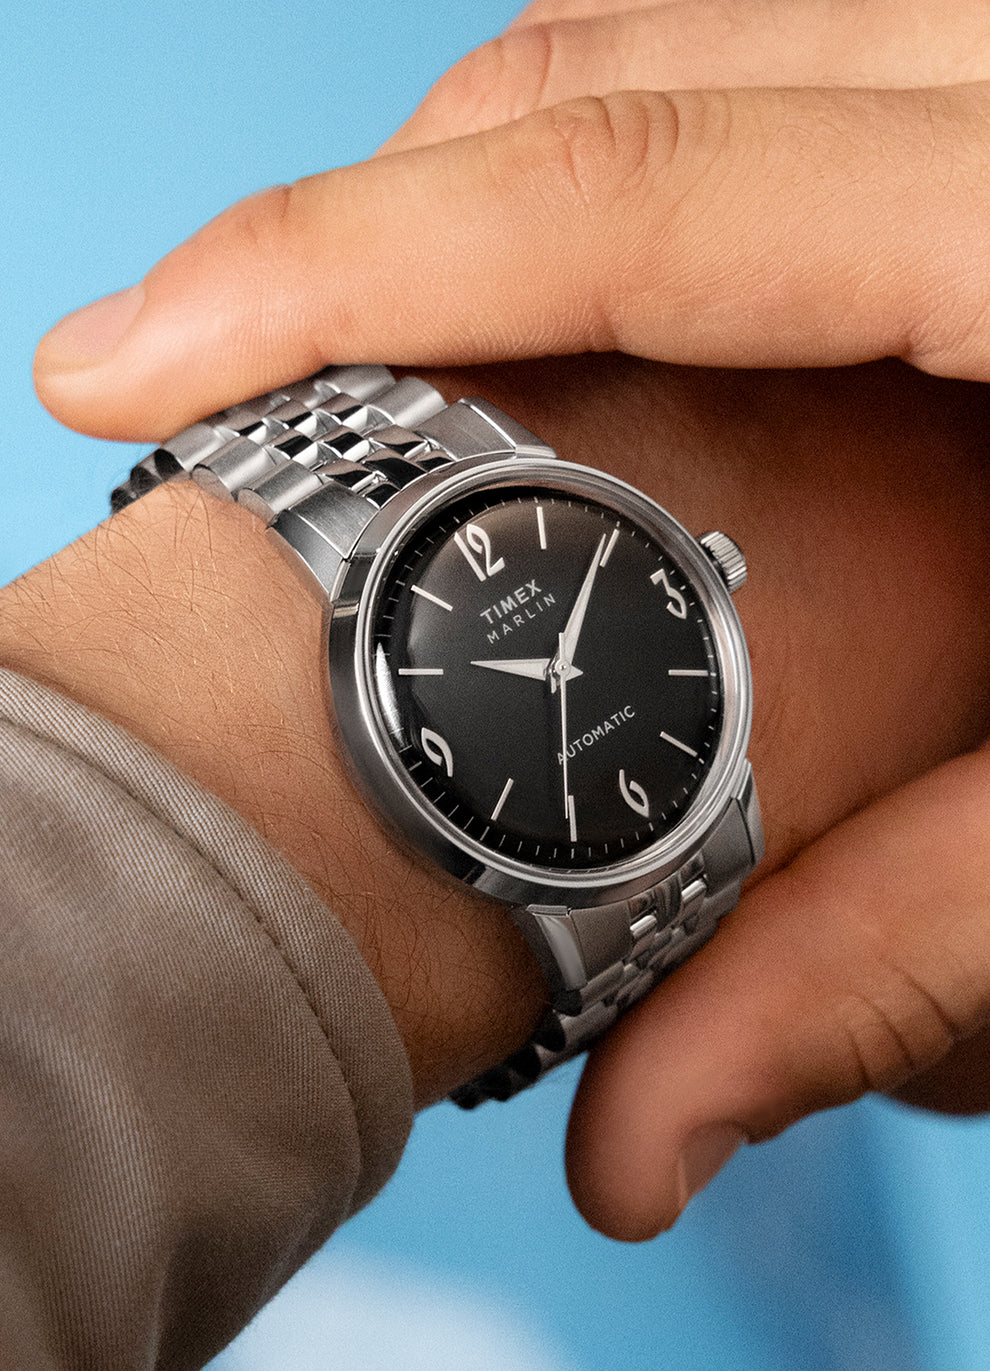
735 845
574 947
555 941
605 935
320 533
520 441
750 806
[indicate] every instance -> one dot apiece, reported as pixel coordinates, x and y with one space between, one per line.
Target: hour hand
536 668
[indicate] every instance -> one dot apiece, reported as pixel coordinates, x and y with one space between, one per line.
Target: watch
538 678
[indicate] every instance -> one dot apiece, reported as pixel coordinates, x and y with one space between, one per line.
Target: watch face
547 676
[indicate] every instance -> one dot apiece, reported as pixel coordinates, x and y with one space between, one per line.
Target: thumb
857 968
739 228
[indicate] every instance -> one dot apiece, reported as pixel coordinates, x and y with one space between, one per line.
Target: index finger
756 228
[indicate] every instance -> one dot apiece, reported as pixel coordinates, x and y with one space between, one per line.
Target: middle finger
694 45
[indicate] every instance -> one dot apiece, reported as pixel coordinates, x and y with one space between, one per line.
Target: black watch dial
547 676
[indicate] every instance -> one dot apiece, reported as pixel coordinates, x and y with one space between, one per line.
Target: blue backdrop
858 1242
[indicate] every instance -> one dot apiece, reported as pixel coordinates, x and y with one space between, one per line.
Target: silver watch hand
562 675
572 629
535 668
562 679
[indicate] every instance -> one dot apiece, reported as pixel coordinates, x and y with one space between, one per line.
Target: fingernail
704 1154
92 333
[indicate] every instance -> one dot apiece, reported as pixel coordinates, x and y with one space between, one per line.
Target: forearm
178 620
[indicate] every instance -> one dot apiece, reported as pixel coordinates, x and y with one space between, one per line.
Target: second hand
562 668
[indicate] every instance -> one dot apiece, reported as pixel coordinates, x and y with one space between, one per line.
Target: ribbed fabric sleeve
199 1077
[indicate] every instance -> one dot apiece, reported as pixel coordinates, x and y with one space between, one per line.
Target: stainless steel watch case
372 759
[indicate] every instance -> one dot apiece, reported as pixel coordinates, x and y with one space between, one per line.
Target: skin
155 621
734 185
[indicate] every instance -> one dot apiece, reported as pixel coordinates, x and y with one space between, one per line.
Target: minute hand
572 629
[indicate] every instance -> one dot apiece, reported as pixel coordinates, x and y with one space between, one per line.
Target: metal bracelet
666 924
350 426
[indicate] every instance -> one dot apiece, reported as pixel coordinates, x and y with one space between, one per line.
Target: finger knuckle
942 288
465 93
497 82
892 1034
604 148
610 172
259 225
269 247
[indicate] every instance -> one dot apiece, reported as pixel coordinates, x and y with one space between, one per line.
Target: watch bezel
370 755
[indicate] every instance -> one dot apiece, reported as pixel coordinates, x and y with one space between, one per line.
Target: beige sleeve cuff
199 1077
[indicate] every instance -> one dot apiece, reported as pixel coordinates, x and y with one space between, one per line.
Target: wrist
180 622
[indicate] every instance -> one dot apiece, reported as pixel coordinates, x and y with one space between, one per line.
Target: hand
744 227
562 665
562 669
737 227
534 668
559 666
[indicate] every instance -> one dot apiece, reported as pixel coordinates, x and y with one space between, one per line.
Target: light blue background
858 1242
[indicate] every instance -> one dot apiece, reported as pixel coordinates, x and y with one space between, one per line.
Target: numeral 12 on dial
477 541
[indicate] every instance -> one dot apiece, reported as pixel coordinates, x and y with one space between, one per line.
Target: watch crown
728 559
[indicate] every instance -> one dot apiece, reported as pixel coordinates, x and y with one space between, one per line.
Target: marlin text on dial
514 611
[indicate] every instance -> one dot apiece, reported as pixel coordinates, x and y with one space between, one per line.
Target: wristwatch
538 678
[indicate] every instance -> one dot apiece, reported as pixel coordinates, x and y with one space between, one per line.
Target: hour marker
573 818
418 590
420 670
676 603
688 671
437 749
542 527
674 742
634 796
502 798
477 541
611 544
